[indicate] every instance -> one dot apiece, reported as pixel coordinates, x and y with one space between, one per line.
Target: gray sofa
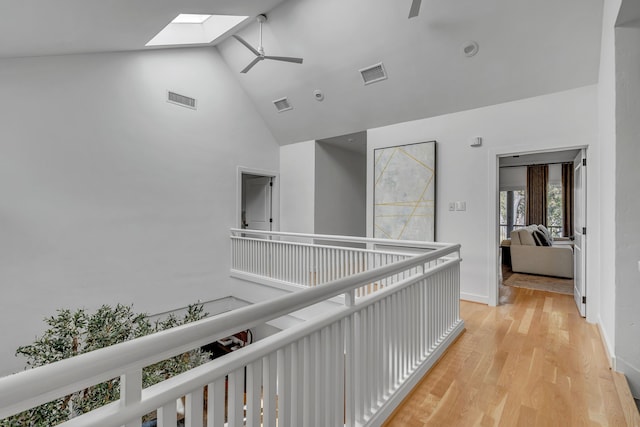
530 257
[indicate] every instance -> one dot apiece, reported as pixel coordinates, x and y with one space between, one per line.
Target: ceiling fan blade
251 64
415 8
285 59
247 45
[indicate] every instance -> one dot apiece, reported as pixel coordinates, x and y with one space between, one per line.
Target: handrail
352 239
64 377
155 396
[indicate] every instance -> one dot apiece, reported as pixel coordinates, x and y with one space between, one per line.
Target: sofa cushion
526 238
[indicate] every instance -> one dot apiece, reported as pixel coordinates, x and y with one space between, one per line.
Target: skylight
190 18
188 29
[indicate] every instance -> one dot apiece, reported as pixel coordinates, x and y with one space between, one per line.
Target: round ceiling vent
318 95
470 48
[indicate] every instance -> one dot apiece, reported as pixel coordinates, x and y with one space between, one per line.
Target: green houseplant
71 333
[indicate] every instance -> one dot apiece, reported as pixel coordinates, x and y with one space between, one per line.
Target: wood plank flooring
532 361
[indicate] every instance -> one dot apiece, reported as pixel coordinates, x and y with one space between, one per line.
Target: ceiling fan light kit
259 52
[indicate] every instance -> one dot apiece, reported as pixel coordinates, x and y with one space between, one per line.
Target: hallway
533 361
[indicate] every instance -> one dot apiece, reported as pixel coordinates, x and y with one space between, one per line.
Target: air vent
184 101
282 104
373 74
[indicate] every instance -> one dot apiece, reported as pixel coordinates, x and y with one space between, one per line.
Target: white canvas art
405 192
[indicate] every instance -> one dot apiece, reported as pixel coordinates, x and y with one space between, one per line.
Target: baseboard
482 299
407 387
606 343
632 373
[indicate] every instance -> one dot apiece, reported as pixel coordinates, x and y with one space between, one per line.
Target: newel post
131 392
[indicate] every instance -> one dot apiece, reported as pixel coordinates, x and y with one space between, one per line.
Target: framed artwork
405 192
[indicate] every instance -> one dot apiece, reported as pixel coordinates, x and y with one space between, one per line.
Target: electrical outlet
452 206
461 206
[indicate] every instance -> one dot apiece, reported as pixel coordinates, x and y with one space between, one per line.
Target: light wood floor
532 361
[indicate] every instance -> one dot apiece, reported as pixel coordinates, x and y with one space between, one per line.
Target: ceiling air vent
282 104
373 74
184 101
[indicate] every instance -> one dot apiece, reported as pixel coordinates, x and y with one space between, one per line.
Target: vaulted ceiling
526 48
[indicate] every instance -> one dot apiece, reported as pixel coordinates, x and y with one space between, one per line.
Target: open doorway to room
541 208
341 185
257 200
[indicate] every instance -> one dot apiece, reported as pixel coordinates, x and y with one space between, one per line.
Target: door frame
275 194
493 198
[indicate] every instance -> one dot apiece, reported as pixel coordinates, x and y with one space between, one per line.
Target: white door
580 231
257 202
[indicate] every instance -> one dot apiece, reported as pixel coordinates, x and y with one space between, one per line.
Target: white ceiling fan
259 53
415 8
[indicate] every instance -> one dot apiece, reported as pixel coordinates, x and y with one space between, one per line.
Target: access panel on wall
405 192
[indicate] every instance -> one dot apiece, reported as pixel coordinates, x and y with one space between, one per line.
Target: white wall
564 119
340 191
628 204
297 187
109 193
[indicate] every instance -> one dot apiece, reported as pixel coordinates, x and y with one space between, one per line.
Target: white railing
351 366
309 260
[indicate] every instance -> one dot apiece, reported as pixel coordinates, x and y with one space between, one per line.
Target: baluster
357 365
284 386
269 383
393 325
321 342
131 392
193 407
350 361
309 382
167 415
235 397
377 348
215 403
254 394
337 406
297 389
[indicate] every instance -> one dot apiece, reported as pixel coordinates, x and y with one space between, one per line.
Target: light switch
452 206
461 206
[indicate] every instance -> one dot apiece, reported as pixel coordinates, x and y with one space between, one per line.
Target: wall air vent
183 101
373 74
282 104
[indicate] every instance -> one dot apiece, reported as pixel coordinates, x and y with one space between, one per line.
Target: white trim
492 197
608 349
631 372
482 299
275 194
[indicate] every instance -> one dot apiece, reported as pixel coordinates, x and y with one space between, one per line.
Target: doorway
502 193
257 200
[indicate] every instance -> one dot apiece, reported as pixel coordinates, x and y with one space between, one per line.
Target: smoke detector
470 48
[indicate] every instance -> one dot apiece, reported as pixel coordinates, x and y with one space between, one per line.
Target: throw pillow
546 231
540 238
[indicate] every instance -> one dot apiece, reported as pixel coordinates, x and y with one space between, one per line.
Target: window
554 209
512 211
